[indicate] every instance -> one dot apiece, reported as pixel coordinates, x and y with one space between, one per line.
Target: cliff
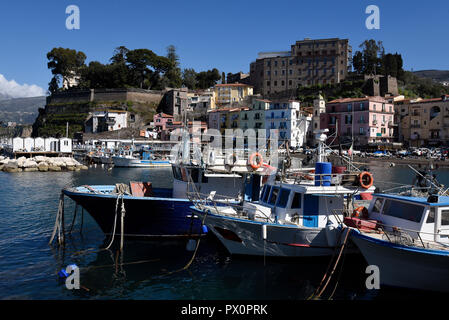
73 107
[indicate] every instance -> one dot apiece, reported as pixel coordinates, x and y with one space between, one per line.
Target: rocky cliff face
52 120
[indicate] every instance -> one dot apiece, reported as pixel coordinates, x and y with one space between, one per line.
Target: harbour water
151 270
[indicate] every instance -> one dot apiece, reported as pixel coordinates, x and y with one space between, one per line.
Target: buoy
255 160
204 227
264 231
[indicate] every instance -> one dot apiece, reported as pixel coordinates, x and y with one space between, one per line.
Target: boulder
13 164
39 159
4 161
21 161
54 168
43 167
29 164
30 169
71 168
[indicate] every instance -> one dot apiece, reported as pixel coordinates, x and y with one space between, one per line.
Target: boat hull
245 237
146 217
406 267
136 163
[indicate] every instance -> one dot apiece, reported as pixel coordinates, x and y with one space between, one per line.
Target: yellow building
424 122
228 93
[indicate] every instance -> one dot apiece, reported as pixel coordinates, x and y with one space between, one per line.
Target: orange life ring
360 211
255 164
366 180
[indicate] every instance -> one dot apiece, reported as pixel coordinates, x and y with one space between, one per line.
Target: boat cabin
225 184
425 218
303 205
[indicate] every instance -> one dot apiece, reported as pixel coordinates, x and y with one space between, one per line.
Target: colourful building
366 121
228 93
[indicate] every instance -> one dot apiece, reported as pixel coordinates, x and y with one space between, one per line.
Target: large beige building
424 122
228 93
307 63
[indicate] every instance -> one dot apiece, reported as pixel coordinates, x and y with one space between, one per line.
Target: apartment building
228 93
254 117
424 122
366 121
288 123
307 63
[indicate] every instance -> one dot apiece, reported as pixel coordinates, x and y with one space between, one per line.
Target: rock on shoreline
41 164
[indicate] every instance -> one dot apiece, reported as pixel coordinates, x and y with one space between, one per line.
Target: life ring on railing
360 212
255 160
366 180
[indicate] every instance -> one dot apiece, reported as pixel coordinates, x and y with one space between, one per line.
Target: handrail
201 203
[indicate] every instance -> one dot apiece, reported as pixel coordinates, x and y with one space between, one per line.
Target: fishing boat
162 212
129 159
297 215
407 238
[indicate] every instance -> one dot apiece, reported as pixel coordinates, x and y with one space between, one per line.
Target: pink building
161 120
369 120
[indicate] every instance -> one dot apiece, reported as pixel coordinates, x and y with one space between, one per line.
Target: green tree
65 63
223 77
207 79
189 78
173 75
372 52
357 62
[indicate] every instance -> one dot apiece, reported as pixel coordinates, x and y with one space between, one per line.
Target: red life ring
366 180
255 164
360 212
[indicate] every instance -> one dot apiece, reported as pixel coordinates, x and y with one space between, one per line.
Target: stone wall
99 95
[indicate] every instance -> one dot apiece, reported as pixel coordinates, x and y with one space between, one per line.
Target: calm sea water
29 265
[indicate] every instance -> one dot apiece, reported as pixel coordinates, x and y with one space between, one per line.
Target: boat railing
204 201
398 235
334 179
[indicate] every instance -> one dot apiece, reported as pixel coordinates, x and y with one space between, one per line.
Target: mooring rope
328 276
59 216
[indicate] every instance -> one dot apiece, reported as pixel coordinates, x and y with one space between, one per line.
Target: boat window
267 193
403 210
296 203
274 195
445 217
431 216
283 198
378 205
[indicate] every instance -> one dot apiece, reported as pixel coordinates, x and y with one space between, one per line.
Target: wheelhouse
308 206
427 219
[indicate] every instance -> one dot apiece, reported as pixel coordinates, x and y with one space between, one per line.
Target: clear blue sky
222 34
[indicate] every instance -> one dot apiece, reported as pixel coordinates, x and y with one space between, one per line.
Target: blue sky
226 35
